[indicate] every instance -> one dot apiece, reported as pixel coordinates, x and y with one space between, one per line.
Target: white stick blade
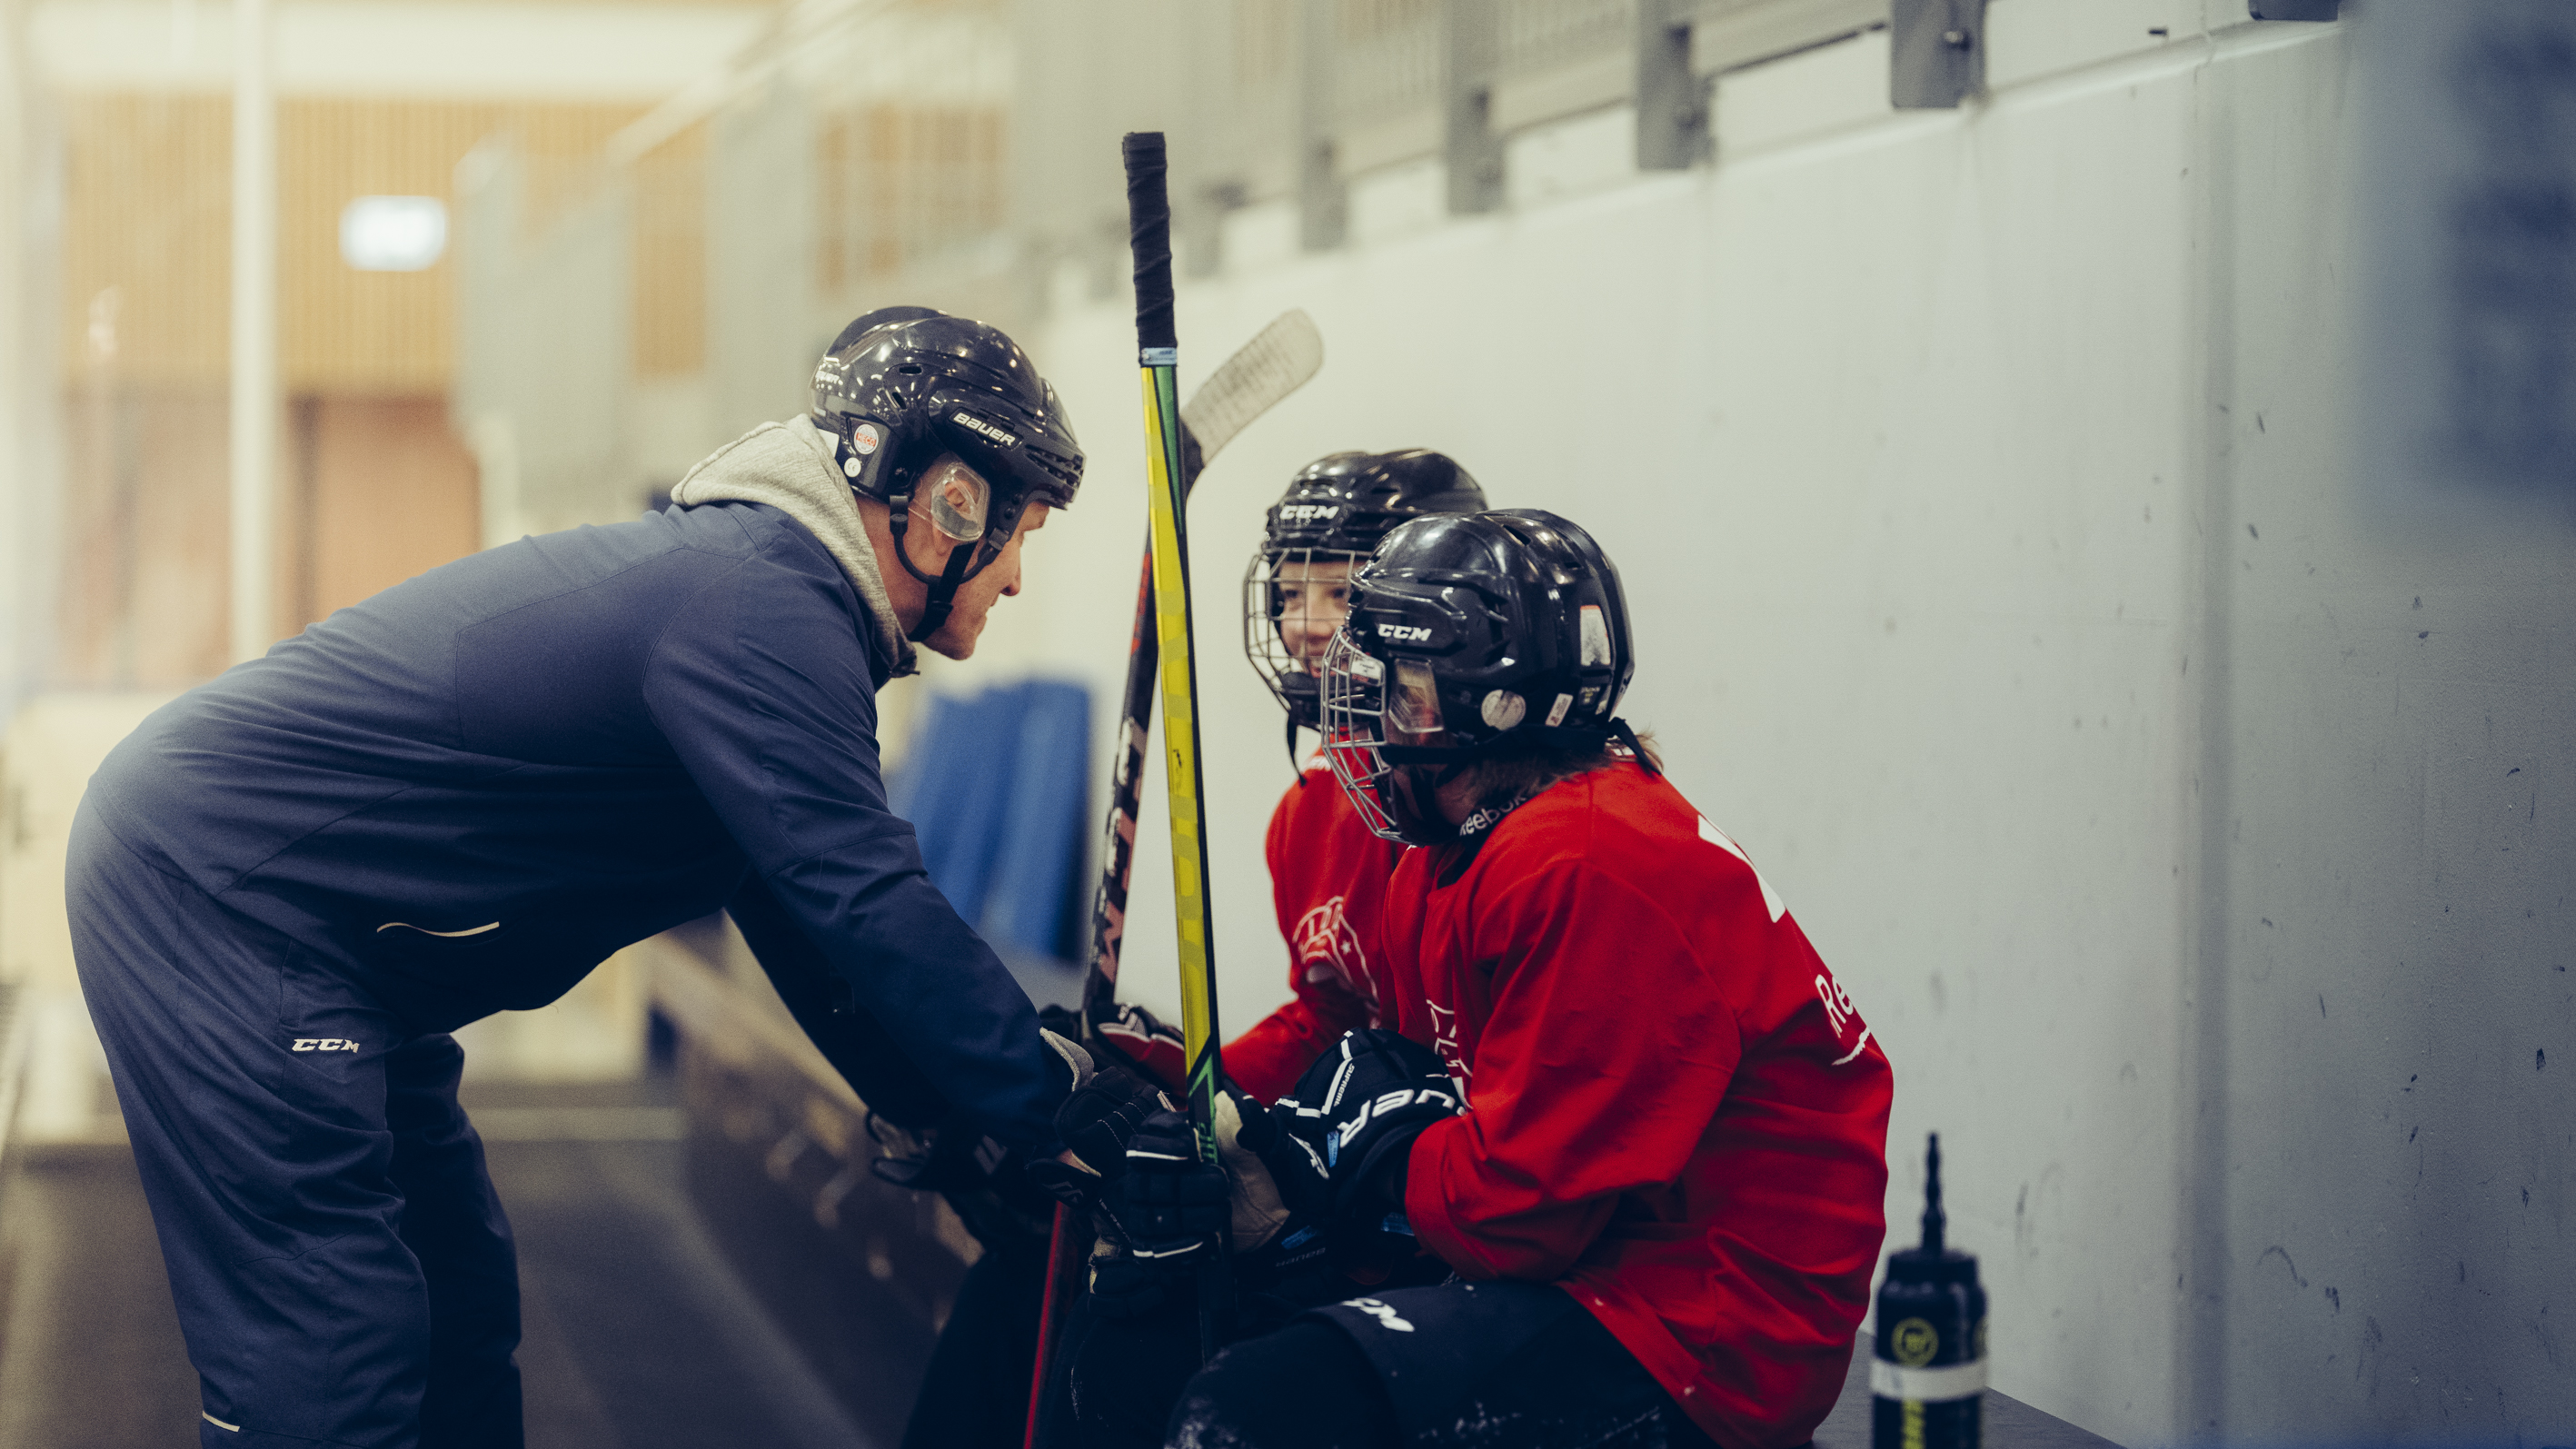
1276 362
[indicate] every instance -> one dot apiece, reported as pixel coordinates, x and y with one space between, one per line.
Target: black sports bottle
1928 1384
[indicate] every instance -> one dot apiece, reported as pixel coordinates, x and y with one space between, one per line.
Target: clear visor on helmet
1294 601
1413 706
1354 725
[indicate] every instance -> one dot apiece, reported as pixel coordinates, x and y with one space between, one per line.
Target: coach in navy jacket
457 798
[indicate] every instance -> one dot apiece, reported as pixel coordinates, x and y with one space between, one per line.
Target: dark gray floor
89 1349
636 1336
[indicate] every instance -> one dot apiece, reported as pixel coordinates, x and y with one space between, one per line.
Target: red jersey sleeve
1604 1054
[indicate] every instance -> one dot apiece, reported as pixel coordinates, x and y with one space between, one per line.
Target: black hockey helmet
903 385
1468 638
1335 513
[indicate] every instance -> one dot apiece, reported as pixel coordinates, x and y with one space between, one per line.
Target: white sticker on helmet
1596 637
850 467
865 438
1504 709
1556 711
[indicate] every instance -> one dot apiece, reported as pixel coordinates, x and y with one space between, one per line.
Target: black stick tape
1149 238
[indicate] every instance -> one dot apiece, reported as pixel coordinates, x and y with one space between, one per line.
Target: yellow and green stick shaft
1158 357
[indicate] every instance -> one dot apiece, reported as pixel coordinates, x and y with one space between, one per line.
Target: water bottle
1928 1383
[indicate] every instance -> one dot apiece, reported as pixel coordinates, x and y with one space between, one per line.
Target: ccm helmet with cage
1471 638
904 387
1334 514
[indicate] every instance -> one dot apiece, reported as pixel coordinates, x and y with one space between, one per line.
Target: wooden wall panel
671 257
899 183
343 330
374 487
391 494
148 250
147 228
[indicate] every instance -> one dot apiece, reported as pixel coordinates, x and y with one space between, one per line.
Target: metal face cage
1354 726
1294 600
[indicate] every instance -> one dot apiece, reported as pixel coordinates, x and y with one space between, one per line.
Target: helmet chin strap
944 584
1627 736
943 591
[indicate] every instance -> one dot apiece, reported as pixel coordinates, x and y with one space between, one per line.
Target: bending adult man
459 796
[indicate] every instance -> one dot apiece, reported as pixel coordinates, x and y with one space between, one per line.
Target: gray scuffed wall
2379 1187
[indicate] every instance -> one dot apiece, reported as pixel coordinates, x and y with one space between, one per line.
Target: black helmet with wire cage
1334 514
903 387
1472 638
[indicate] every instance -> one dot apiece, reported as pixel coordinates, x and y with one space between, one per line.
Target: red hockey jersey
1328 879
1674 1113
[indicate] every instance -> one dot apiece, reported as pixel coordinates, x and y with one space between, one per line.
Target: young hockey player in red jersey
1328 870
1136 1343
1623 1098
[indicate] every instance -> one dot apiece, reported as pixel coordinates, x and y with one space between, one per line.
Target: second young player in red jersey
1328 870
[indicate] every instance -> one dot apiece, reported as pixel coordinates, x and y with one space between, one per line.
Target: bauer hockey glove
1371 1094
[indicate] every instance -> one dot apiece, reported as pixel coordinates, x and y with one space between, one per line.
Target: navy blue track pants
343 1272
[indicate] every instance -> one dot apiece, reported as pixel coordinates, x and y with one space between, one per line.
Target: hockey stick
1149 233
1279 359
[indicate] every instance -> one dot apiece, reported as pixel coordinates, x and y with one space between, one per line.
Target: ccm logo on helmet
1306 512
974 424
323 1044
1404 633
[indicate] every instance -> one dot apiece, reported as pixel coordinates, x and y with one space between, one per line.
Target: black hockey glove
1163 1214
1371 1094
1170 1206
1108 1103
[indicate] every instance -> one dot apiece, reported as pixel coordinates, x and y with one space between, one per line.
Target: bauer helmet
1471 638
902 386
1334 514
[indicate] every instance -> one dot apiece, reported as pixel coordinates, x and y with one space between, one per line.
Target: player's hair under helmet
1487 636
903 386
1335 513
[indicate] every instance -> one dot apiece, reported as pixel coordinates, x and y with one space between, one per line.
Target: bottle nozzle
1933 1219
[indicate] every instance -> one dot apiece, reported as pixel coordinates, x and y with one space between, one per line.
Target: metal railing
962 153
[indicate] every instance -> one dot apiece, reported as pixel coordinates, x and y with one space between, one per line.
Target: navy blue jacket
469 790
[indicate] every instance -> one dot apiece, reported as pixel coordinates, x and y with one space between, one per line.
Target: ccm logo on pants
323 1044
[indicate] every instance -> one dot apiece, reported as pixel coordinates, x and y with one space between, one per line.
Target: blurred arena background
2099 532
